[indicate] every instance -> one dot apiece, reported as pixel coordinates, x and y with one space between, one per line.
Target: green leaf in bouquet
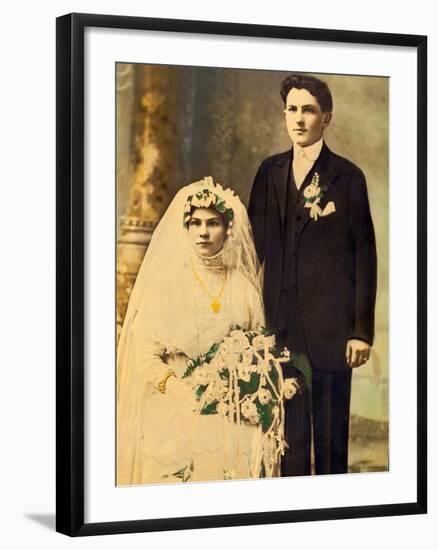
211 408
224 374
249 387
265 414
211 353
200 390
250 335
274 390
192 364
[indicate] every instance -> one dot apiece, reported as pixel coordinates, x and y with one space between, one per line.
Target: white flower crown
210 195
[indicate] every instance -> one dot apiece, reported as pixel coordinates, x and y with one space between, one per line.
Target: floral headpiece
208 197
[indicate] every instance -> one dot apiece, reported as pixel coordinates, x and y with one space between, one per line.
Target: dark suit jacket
335 257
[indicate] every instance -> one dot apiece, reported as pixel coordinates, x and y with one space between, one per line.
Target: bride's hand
178 363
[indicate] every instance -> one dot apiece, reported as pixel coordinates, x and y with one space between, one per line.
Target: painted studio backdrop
176 125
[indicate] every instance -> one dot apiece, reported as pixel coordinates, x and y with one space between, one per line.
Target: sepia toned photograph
252 274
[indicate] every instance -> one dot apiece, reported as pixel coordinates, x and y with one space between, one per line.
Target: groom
313 231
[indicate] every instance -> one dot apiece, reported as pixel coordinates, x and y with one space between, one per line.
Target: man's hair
316 87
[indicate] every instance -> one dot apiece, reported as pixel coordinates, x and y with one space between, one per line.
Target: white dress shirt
304 159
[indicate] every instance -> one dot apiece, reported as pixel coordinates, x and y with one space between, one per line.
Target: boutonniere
313 194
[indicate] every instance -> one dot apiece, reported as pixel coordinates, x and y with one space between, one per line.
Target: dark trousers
324 409
321 407
331 414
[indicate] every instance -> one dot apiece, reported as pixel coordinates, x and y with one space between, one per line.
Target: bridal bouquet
241 379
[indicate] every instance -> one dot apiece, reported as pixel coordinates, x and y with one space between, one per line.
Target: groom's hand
357 353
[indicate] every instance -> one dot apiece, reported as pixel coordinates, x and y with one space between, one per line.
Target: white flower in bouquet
222 389
202 376
291 387
240 341
222 386
255 368
241 383
227 346
220 361
222 408
248 409
244 372
264 396
247 357
270 341
254 419
231 360
258 342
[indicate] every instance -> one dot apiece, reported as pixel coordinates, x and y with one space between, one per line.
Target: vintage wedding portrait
252 274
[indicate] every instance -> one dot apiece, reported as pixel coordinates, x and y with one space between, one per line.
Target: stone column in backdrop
150 127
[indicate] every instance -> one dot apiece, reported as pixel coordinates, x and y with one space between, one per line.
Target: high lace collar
208 262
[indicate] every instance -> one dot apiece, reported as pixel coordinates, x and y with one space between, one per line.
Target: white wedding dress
159 437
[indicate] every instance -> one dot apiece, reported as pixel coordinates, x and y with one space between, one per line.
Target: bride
199 277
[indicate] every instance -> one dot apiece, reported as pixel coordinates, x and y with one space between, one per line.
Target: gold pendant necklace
215 304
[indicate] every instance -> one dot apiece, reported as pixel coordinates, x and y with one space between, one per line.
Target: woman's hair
316 87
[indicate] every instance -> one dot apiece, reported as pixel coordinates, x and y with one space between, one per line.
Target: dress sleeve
149 360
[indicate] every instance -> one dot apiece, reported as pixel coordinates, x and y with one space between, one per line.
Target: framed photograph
241 274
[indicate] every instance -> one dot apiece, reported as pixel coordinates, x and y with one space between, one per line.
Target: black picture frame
70 273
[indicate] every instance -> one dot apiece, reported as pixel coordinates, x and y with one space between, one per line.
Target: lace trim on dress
208 262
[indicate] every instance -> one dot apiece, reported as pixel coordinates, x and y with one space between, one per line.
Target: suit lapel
327 174
280 175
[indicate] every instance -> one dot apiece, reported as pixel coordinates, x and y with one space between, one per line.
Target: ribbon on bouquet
268 446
